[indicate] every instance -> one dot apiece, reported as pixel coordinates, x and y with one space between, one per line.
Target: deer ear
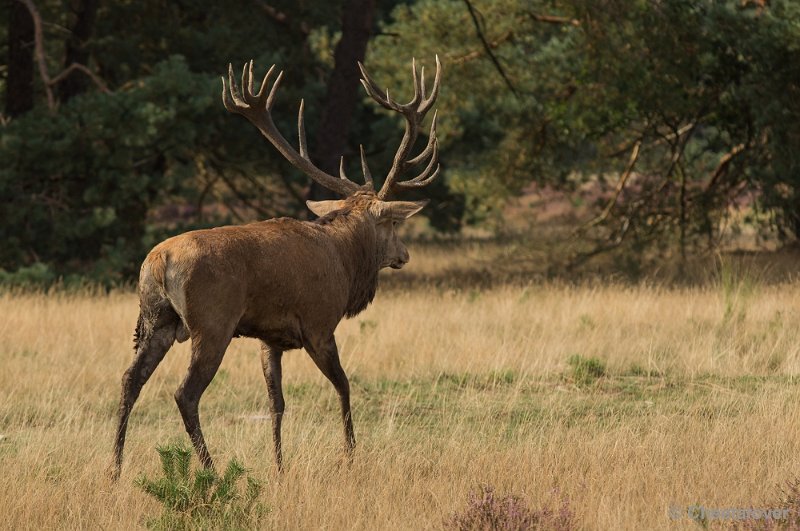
400 210
322 208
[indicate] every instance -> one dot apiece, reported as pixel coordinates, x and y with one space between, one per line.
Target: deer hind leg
154 337
207 355
326 357
271 364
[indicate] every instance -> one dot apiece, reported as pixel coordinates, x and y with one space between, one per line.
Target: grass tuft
585 371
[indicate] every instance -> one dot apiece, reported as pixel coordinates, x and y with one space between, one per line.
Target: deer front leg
326 357
271 364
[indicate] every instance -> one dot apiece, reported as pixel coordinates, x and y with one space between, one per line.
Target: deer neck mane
352 230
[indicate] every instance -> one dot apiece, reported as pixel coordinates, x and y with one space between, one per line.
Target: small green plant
202 499
586 370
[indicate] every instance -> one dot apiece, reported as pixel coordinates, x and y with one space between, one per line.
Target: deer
286 282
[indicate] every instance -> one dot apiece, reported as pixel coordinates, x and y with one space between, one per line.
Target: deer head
387 215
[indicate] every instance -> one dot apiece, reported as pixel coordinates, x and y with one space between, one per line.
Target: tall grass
452 389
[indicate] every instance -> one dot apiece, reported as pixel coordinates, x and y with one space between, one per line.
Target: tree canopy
113 135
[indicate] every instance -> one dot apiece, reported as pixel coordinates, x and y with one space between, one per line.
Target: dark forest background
678 115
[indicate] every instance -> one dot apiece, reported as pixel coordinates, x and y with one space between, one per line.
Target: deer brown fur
285 282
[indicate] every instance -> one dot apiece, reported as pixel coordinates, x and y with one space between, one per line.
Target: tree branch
723 165
38 52
75 66
477 53
283 19
473 14
41 60
553 19
620 186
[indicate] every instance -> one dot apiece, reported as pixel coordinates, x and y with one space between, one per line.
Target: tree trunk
342 93
796 223
85 12
19 83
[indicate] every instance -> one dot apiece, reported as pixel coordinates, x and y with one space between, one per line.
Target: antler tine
227 102
375 91
232 96
429 147
256 108
364 167
417 96
301 132
426 172
428 103
247 84
422 82
423 179
274 91
419 184
262 90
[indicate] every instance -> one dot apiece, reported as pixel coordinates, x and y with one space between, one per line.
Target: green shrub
203 499
34 275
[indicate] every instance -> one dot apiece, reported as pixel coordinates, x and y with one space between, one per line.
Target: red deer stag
285 282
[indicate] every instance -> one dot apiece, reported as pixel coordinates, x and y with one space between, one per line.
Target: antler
256 108
414 113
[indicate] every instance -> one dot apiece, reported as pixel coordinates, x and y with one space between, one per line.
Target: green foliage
586 370
203 499
707 90
126 151
35 275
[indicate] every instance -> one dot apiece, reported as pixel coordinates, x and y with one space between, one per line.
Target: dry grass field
696 401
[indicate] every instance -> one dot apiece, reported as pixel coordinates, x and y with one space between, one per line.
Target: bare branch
554 19
477 53
38 52
41 60
724 162
620 186
283 19
473 14
81 68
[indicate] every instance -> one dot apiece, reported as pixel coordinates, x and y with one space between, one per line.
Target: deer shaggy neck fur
353 230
